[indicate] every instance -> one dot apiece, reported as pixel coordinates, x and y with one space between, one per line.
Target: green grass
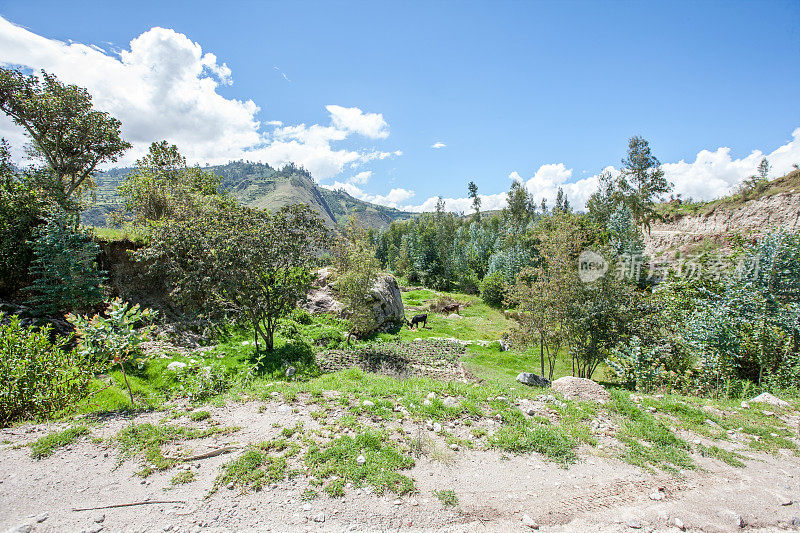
381 468
125 233
198 416
448 497
648 441
183 477
252 470
47 445
145 441
731 458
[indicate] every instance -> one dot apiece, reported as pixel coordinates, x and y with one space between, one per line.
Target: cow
423 319
452 308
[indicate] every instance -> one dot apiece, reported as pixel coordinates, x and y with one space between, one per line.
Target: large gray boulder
385 301
534 380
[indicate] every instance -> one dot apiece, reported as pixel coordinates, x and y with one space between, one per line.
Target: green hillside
260 185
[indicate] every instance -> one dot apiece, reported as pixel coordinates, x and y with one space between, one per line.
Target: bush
638 366
64 267
493 289
37 378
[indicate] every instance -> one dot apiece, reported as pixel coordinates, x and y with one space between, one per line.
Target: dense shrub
493 289
64 267
37 378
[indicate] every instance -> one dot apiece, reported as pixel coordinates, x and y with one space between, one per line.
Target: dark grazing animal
423 319
452 308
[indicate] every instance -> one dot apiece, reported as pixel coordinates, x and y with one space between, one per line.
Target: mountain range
260 185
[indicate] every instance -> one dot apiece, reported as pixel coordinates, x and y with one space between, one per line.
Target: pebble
368 403
677 522
634 524
454 447
41 518
361 459
527 521
431 396
437 427
657 496
745 405
99 518
398 502
319 518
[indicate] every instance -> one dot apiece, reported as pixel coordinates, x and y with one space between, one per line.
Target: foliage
636 365
162 186
239 261
47 445
66 132
64 266
201 382
116 338
357 271
37 378
252 470
21 210
641 181
493 289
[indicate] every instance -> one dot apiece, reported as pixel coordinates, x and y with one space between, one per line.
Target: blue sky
547 93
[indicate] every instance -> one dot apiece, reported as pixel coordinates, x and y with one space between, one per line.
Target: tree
642 181
64 267
162 185
357 271
21 210
237 261
476 200
65 130
763 169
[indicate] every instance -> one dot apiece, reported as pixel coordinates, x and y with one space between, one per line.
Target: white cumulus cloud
164 86
438 144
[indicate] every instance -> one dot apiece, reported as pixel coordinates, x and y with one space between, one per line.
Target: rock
291 371
176 366
634 524
657 496
385 301
431 396
581 389
22 528
41 518
361 459
527 521
766 397
450 402
319 518
99 518
534 380
437 427
678 523
745 405
454 447
504 346
368 403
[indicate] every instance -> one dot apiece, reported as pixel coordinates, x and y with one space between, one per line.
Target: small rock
431 396
176 366
657 496
291 371
41 518
398 502
319 518
450 402
745 405
361 459
677 522
230 485
534 380
437 427
527 521
634 524
99 518
368 403
786 502
454 447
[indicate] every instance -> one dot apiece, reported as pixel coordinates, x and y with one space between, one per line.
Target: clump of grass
47 445
381 467
185 476
308 495
647 440
290 432
552 441
447 497
252 470
730 458
199 416
146 440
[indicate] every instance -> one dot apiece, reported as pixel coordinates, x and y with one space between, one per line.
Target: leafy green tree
22 207
476 200
65 130
642 181
162 185
357 271
236 261
64 267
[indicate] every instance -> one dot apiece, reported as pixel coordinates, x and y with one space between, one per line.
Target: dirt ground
495 492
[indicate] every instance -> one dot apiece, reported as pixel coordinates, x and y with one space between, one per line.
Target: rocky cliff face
749 220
